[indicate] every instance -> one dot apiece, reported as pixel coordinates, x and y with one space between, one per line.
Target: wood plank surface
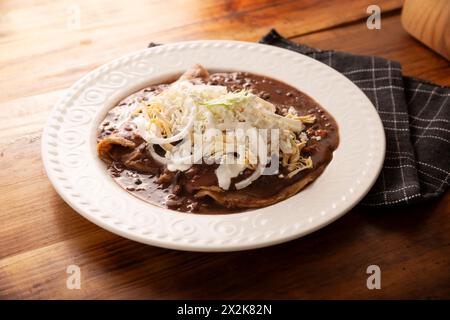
62 55
40 235
391 42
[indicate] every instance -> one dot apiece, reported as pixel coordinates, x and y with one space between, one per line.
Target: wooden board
41 235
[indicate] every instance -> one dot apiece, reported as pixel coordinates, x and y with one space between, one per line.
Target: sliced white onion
180 135
259 169
247 181
209 117
225 172
184 103
291 123
181 159
156 156
265 103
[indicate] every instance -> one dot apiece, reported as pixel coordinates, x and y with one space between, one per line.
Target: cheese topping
237 130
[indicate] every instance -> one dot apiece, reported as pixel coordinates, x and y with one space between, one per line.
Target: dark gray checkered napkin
416 119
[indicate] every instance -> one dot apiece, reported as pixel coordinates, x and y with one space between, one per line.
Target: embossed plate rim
68 150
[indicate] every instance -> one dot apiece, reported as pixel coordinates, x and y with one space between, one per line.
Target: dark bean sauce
151 182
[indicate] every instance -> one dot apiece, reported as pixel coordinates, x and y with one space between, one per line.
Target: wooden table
43 51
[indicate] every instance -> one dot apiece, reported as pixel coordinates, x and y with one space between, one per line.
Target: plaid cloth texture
416 119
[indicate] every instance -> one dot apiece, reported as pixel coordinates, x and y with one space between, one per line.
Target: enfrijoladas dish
216 142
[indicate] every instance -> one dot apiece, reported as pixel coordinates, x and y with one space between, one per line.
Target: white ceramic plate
71 162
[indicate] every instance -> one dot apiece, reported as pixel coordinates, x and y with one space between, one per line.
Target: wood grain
429 21
391 42
62 55
40 235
